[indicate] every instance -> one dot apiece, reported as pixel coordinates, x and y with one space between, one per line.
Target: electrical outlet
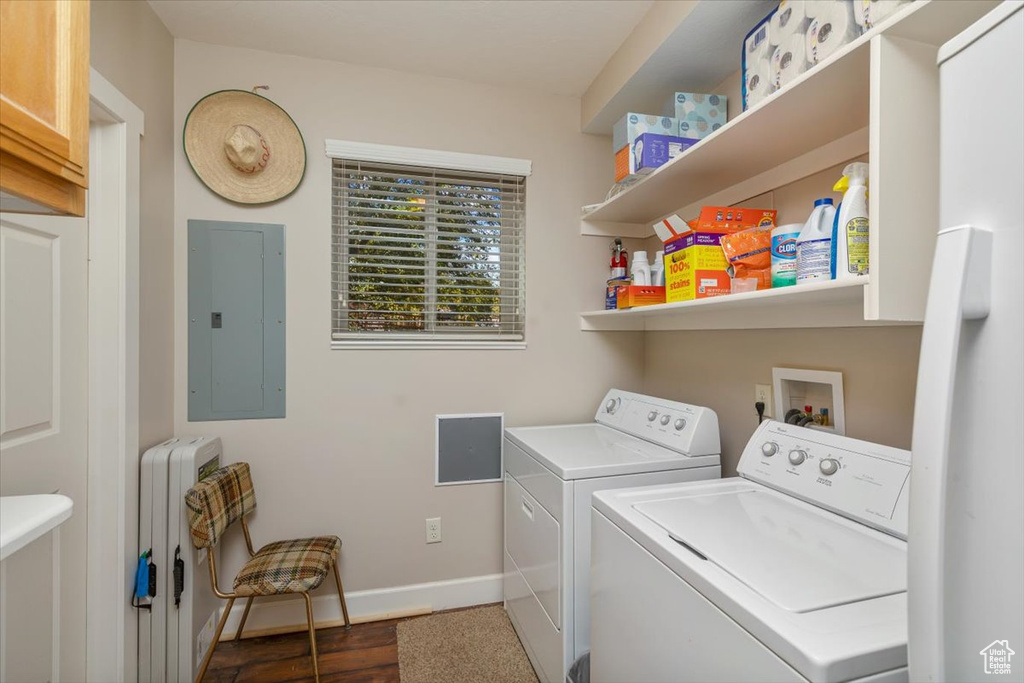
763 392
434 530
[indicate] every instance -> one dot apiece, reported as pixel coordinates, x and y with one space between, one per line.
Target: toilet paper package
790 19
868 13
756 63
789 61
698 114
757 82
628 129
833 27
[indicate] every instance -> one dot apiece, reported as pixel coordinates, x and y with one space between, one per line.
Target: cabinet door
44 102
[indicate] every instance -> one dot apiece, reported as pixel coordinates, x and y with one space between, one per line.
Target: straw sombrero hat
244 147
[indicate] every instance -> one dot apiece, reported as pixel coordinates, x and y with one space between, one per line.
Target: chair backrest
217 502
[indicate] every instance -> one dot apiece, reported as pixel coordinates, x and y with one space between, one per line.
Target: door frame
116 126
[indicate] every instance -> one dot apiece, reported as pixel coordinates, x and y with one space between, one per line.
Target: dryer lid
799 557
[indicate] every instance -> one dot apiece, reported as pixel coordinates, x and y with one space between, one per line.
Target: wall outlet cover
434 530
763 392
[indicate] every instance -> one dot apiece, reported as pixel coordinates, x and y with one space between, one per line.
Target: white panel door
43 439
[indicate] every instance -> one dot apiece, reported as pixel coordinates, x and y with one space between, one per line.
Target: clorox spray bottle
850 231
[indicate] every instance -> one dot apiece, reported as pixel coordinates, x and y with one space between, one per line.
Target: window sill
406 344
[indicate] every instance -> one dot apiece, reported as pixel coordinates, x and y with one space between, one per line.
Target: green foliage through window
420 251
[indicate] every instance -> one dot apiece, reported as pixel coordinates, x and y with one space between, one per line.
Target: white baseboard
277 615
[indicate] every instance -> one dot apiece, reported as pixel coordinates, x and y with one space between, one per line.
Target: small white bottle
850 232
814 246
658 269
641 269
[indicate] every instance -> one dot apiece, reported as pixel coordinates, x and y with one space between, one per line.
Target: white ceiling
556 46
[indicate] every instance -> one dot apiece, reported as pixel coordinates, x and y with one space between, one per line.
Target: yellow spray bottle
850 230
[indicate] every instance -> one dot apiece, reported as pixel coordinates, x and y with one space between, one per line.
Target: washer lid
584 451
796 556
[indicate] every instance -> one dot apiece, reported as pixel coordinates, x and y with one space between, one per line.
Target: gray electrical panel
236 321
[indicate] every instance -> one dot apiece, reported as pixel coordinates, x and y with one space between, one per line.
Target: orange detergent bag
749 254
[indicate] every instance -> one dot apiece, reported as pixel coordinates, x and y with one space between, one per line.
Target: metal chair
297 566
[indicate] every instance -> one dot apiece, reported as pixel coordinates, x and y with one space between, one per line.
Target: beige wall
719 369
355 454
135 52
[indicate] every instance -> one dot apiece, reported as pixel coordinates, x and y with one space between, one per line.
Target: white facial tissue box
699 114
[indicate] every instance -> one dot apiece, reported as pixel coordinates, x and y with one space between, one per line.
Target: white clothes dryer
550 475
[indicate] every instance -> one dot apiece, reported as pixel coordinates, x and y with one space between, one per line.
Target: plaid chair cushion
217 502
288 566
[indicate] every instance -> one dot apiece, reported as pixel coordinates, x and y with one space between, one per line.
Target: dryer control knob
680 424
652 416
665 419
769 448
612 405
797 456
829 466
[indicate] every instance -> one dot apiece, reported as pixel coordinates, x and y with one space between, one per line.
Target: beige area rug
469 646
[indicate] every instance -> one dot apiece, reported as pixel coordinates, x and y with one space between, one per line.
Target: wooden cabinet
44 105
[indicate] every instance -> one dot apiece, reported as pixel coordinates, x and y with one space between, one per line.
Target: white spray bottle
850 232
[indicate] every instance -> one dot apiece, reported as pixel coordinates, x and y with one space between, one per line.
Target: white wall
133 50
355 454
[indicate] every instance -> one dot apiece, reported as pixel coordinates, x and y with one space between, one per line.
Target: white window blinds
426 254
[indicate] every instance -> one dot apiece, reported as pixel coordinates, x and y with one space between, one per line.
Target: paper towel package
699 114
756 63
628 129
652 150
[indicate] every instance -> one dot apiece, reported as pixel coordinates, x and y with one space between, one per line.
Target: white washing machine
550 476
794 571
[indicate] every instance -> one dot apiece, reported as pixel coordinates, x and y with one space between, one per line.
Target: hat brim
210 122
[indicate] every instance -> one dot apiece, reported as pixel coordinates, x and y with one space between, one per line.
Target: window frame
429 338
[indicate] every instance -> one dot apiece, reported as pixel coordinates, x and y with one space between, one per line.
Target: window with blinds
426 254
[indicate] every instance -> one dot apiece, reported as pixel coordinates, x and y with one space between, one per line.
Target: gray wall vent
468 448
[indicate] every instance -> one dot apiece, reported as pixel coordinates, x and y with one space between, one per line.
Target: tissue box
696 267
628 129
698 114
652 150
630 296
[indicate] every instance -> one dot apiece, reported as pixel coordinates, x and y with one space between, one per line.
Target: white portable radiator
178 611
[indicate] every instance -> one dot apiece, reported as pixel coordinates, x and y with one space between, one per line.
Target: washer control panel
691 430
860 480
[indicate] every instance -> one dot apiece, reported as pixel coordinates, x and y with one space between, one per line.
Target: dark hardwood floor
368 653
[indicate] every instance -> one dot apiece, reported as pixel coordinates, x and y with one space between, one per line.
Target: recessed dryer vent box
795 388
468 448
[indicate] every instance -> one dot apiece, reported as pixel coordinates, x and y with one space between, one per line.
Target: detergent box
695 265
630 296
698 114
628 129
